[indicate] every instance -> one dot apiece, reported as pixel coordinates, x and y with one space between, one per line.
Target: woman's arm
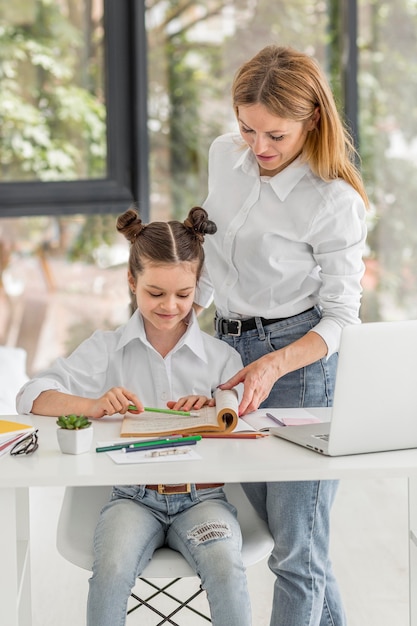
260 376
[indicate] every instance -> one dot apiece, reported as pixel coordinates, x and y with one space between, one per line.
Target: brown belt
184 488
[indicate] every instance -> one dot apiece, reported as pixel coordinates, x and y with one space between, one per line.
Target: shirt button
164 396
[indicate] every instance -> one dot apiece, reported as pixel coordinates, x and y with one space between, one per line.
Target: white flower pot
75 441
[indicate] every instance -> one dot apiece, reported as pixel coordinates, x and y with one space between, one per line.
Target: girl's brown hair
164 243
292 85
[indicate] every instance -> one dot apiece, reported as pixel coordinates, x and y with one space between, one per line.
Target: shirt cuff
31 390
330 331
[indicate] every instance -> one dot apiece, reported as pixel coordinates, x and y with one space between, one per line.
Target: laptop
375 398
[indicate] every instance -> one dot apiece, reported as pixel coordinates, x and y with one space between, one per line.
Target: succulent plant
73 422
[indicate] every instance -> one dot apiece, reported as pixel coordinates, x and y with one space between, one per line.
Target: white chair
78 518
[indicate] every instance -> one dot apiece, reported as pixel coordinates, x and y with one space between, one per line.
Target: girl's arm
56 403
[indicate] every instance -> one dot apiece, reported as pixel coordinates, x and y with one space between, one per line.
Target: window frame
127 179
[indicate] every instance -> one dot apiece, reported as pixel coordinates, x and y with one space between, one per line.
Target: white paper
260 421
146 456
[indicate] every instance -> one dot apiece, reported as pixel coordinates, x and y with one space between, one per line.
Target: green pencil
132 407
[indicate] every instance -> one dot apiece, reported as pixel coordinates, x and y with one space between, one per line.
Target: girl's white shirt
124 358
283 243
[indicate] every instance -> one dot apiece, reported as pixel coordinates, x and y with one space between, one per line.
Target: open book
220 418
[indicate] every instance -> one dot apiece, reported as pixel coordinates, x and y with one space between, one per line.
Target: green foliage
52 114
73 422
95 231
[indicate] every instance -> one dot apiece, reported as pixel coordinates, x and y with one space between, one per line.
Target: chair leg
163 590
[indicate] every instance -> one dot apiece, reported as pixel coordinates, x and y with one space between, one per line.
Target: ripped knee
209 531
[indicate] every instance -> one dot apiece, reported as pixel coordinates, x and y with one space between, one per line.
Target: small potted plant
74 434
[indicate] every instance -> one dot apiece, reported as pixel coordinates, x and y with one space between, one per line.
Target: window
73 136
73 152
387 40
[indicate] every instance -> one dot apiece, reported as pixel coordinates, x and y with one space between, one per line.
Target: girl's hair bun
130 224
197 221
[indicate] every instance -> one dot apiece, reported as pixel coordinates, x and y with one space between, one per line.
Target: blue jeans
201 525
305 592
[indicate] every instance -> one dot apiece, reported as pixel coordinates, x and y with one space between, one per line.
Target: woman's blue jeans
201 525
306 592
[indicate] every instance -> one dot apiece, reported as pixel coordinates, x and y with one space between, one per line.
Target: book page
225 411
222 417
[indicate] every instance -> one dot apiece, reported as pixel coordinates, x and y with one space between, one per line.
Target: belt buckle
162 489
221 325
238 327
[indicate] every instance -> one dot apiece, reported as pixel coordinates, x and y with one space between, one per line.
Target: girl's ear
131 281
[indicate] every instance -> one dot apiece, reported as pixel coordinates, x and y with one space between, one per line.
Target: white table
237 460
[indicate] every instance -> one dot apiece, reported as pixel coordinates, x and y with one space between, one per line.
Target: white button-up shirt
124 357
284 243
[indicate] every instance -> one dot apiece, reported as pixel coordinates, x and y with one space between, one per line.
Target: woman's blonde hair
291 85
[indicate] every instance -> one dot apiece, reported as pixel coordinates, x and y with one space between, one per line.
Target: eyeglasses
27 445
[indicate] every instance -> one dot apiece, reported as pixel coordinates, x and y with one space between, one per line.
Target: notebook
375 399
11 432
10 429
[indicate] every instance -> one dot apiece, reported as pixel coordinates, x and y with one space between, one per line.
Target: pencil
158 446
234 435
132 407
170 440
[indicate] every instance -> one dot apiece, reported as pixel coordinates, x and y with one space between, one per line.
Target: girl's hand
116 400
188 403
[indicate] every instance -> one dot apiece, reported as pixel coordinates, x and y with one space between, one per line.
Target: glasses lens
28 445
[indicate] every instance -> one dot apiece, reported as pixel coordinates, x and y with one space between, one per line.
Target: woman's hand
188 403
115 400
258 379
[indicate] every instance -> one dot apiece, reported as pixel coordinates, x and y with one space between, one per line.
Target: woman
285 266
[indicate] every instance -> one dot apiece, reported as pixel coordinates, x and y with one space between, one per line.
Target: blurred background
106 103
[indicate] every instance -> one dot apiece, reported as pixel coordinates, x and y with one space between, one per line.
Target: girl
159 355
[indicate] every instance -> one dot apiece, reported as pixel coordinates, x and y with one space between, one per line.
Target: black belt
225 326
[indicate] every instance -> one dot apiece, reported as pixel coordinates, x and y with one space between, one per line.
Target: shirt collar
247 163
192 338
283 182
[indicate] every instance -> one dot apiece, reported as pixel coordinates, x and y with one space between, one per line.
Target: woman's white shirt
124 357
283 243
